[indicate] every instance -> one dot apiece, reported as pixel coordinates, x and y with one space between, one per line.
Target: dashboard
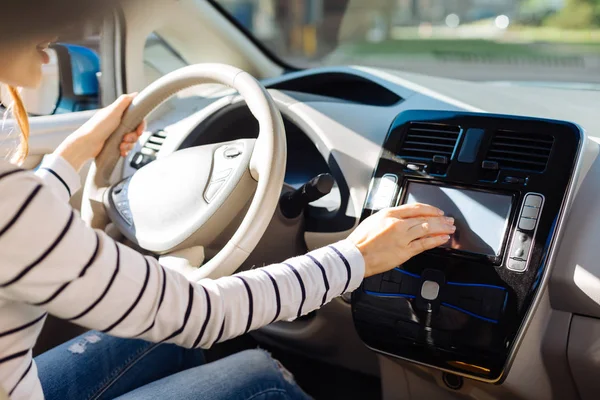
515 166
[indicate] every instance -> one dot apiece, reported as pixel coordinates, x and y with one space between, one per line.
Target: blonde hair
20 115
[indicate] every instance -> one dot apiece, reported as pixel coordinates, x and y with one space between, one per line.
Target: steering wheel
194 196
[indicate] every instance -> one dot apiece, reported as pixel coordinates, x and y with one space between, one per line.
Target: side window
160 58
70 80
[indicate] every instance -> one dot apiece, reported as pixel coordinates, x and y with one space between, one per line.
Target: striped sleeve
59 175
51 259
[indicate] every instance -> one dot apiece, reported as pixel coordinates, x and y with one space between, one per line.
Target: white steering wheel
193 196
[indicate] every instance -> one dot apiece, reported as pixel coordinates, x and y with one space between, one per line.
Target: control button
385 192
533 200
389 179
440 159
212 190
490 165
390 287
520 246
140 159
126 214
218 175
373 283
232 152
519 252
413 167
122 204
396 276
530 212
527 224
430 290
517 265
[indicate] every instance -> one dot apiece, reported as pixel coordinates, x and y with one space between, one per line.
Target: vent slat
155 141
521 150
437 152
448 139
152 146
423 141
529 147
442 131
519 153
518 138
517 161
443 146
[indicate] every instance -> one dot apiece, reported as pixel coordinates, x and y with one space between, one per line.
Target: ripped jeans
99 366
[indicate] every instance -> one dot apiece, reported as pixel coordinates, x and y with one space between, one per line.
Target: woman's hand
87 141
392 236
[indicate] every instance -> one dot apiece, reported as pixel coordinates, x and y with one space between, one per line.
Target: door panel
46 133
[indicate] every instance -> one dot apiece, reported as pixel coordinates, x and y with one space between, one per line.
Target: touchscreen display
481 218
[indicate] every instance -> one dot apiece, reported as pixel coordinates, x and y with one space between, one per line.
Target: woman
51 262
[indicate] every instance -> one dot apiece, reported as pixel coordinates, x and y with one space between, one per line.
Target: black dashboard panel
341 86
504 179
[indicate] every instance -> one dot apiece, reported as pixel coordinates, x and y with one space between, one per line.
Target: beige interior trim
176 21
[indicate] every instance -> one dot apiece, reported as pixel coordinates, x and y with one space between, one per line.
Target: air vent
425 141
149 150
518 150
154 143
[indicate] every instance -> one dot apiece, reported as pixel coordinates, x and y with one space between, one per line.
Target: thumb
124 101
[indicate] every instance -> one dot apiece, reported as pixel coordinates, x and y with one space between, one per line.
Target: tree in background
577 14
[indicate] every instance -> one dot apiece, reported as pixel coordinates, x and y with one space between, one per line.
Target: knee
257 358
262 365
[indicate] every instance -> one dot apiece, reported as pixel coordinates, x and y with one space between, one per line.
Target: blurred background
533 41
557 40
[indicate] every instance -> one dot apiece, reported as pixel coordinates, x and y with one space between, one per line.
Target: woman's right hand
393 235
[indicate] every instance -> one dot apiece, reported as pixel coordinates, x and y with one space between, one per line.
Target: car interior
253 159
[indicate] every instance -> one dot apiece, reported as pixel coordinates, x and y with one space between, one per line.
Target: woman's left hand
87 141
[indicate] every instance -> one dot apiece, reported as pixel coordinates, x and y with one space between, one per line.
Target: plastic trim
547 268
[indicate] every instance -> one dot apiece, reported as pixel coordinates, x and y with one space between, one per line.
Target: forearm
252 299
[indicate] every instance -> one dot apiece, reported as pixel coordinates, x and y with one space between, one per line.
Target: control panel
119 194
524 235
462 306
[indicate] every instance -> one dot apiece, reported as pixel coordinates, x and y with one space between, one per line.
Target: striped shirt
51 262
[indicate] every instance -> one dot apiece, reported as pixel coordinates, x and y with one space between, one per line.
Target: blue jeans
99 366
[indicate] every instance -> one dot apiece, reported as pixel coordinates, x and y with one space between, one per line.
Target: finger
140 129
428 243
131 137
430 227
125 148
415 210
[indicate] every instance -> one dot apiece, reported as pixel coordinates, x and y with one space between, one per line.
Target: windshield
545 41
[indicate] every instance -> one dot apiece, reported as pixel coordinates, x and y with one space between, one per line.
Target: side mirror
69 82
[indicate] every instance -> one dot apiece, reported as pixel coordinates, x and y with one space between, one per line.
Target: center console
462 307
